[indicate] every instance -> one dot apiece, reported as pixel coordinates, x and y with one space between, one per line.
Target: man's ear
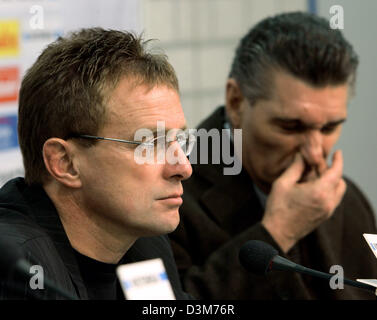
58 156
234 103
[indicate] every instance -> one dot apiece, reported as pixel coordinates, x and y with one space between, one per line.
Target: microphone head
10 254
256 255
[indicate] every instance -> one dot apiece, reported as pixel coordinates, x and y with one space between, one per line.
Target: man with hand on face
288 90
86 203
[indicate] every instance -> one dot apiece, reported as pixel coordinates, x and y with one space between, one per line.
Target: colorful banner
9 84
9 38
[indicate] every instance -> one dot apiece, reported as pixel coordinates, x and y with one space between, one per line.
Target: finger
335 172
340 189
322 167
293 173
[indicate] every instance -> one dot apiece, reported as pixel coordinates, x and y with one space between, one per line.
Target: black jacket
29 220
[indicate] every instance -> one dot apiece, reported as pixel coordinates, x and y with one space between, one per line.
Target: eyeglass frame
146 143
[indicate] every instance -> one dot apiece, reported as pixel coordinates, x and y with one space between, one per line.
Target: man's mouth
173 199
175 195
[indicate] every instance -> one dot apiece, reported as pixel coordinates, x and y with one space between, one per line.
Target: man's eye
293 129
328 129
181 138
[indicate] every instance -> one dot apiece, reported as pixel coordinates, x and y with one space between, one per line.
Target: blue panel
312 6
8 132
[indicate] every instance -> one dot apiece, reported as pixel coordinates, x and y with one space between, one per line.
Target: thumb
293 173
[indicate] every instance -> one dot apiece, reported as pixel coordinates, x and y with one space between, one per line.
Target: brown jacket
220 213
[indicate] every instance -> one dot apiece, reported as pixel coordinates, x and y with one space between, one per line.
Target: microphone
11 257
259 257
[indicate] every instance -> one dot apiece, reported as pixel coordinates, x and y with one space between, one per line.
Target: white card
145 280
371 282
372 242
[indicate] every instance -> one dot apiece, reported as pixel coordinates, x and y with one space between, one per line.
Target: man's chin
171 223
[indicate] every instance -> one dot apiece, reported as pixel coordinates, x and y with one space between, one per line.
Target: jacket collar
47 217
227 195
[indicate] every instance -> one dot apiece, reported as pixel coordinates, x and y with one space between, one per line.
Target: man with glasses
86 203
288 89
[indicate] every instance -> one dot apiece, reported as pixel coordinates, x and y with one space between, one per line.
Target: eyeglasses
185 140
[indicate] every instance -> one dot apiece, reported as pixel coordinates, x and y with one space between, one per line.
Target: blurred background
199 37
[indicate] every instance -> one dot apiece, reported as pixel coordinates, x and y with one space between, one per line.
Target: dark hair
67 88
298 43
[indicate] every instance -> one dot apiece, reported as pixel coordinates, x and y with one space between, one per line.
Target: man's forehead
292 97
130 93
142 107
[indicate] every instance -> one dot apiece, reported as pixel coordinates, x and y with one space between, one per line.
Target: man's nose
312 148
177 166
